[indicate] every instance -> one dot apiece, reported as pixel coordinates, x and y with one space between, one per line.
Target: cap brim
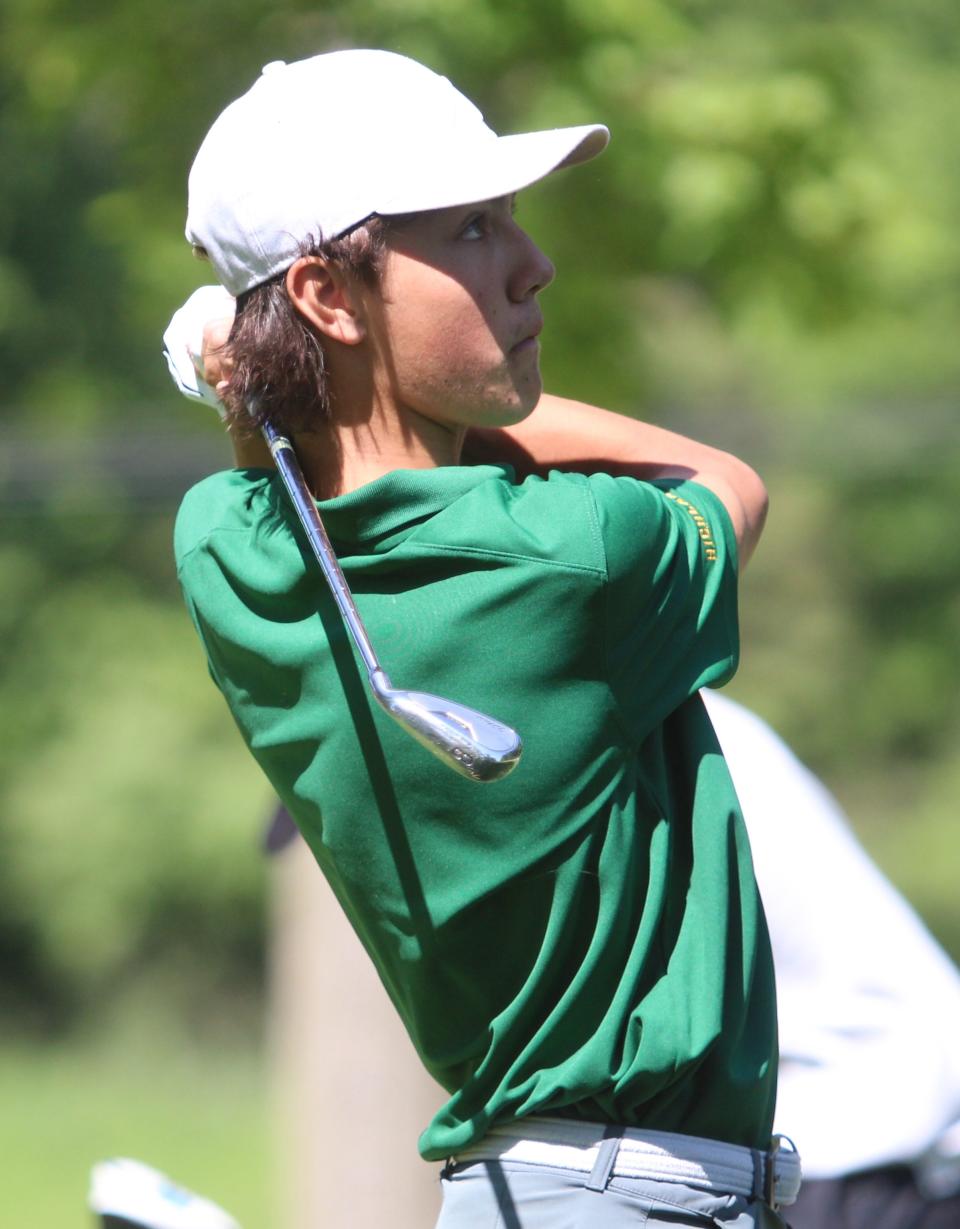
498 168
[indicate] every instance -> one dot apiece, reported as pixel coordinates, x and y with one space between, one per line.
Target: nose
532 270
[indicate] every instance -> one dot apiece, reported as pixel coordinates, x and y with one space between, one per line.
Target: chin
503 404
520 404
506 415
525 410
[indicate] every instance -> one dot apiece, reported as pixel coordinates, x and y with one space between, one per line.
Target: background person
868 1004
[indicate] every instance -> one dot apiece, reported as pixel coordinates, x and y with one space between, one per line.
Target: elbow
754 504
759 501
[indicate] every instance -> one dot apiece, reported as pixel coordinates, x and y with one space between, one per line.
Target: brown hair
278 366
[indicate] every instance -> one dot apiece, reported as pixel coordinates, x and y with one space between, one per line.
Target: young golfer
577 951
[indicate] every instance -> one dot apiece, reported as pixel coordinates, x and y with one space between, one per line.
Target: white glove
131 1191
183 341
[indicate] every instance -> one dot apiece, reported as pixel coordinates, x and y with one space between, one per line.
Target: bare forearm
562 434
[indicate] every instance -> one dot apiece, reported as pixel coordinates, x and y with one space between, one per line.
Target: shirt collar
395 503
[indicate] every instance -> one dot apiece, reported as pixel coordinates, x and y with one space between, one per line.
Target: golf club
472 744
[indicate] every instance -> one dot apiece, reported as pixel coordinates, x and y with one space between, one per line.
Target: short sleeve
671 610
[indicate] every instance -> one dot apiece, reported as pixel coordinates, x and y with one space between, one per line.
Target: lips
530 335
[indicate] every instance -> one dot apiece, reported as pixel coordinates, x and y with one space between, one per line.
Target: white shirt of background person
869 1004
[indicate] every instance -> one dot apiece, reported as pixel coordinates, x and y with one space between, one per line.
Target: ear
326 298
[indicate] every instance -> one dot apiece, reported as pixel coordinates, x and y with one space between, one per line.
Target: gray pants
516 1195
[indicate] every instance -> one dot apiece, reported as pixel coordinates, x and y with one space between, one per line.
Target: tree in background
767 256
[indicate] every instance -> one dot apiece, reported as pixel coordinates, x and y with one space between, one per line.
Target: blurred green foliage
129 812
767 256
199 1115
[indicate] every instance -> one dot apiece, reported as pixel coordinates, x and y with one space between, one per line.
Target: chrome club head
471 743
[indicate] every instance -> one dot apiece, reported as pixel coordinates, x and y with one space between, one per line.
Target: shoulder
225 502
599 521
551 520
654 525
664 501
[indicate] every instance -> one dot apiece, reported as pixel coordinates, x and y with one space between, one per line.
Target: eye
476 227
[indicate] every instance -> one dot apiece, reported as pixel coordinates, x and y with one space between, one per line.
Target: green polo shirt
585 937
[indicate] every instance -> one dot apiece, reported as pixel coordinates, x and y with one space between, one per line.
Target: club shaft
288 466
471 743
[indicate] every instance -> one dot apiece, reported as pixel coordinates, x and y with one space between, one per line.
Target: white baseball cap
316 147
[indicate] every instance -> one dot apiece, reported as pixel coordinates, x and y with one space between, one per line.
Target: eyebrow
509 197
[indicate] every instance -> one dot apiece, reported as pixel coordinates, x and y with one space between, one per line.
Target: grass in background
199 1114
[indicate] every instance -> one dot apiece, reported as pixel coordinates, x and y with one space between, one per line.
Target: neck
357 449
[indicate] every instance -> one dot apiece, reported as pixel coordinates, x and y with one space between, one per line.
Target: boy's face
455 319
